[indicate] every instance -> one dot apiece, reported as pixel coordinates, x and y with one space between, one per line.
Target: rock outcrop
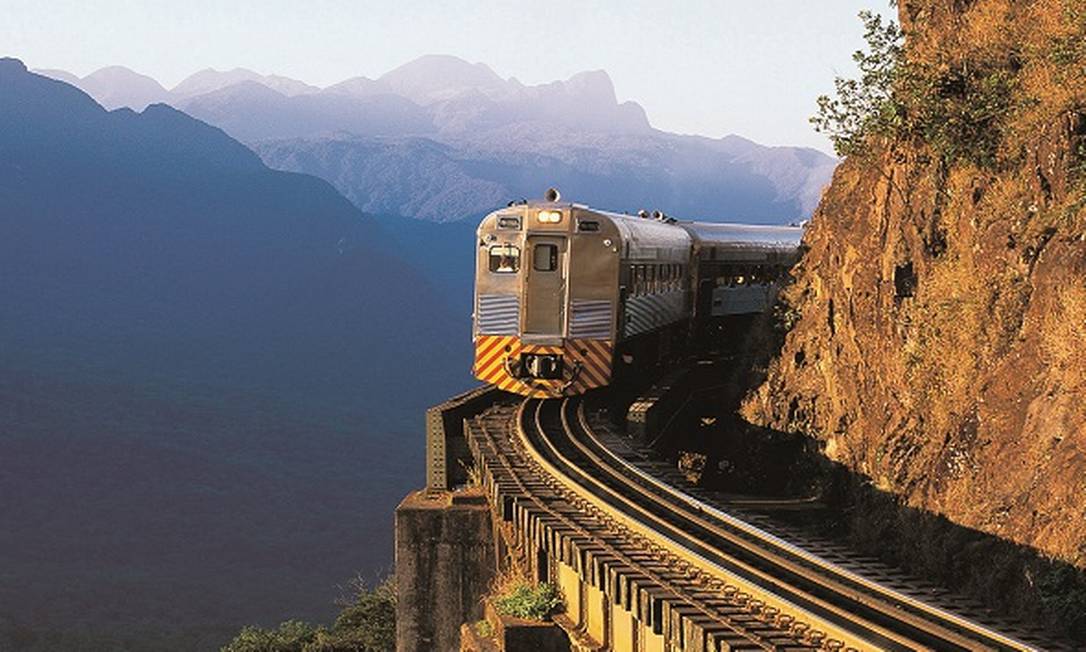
939 345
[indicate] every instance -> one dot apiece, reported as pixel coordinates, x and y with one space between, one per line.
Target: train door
545 286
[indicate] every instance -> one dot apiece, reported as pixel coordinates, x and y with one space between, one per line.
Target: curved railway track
824 604
641 576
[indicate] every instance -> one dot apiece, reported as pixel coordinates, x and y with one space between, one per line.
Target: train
568 298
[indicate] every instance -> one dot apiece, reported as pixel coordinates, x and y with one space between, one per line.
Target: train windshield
504 259
545 258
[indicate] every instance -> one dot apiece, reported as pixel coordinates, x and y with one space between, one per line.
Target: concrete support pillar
445 560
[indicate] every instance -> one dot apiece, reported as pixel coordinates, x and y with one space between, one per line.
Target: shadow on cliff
1009 578
721 451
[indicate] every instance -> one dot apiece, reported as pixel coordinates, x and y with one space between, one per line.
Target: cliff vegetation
366 624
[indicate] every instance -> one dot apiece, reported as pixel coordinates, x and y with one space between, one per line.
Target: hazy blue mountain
443 139
490 140
726 180
359 87
60 75
415 177
251 111
211 376
434 94
452 87
115 86
209 79
434 77
585 102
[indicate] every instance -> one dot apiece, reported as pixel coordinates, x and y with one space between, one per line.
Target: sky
696 66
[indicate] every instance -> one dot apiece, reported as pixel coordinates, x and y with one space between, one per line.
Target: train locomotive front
526 339
548 294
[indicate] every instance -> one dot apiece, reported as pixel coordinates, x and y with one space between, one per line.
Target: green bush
524 600
366 624
957 108
291 636
484 628
865 106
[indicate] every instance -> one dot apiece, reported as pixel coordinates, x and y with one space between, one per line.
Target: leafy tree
366 624
369 622
867 105
956 107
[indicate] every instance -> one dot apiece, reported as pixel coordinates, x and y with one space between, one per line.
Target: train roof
672 233
762 236
755 235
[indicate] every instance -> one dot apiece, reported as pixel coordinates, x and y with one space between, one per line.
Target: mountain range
442 139
204 369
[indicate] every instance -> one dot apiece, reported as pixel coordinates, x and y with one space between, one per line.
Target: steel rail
538 421
673 497
820 615
754 638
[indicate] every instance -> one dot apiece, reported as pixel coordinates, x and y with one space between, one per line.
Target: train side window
504 259
651 281
545 258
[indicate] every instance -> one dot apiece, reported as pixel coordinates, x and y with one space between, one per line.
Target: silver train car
567 296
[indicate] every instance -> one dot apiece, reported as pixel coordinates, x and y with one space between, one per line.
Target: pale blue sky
708 67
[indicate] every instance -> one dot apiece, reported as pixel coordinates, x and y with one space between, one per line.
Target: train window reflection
504 259
545 258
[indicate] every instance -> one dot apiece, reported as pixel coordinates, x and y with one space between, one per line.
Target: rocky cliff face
939 345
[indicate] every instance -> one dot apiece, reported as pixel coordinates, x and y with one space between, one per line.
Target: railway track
693 610
725 582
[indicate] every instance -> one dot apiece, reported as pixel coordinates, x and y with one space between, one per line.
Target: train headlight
549 217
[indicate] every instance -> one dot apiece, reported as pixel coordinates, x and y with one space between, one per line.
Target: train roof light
549 217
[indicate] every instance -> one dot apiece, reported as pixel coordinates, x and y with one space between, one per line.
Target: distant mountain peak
209 80
358 87
116 86
446 63
11 64
115 70
246 87
435 77
598 80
